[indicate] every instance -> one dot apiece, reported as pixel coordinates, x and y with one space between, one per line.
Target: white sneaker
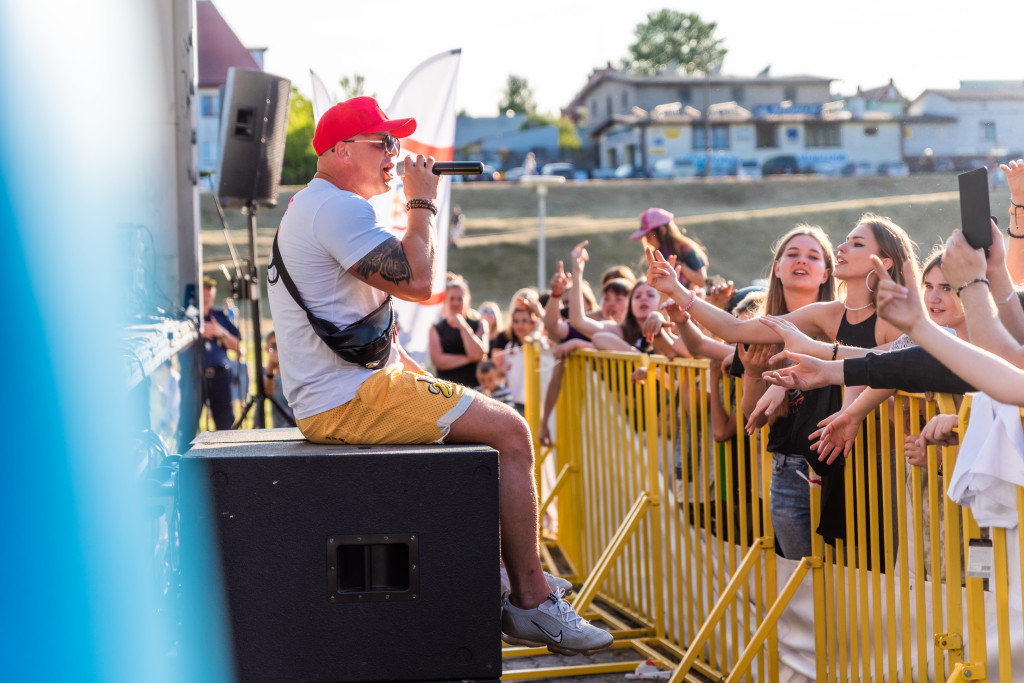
555 583
554 624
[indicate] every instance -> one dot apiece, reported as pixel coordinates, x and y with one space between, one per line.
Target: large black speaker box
253 127
342 563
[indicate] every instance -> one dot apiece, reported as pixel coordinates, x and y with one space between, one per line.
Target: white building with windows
979 122
731 121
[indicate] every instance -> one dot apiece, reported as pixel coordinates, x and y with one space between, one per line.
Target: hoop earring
867 282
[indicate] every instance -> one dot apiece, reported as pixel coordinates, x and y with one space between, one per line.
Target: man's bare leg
499 426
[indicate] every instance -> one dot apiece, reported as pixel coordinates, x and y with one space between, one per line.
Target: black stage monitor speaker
344 563
253 127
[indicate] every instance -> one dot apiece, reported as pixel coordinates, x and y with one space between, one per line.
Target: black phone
975 215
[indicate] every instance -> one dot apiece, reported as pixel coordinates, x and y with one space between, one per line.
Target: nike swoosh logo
548 633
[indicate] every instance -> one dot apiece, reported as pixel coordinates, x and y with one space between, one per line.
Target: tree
299 158
518 97
675 38
353 87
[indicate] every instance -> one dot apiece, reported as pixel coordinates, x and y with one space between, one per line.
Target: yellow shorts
392 407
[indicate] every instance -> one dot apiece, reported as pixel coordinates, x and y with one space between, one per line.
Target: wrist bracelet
693 298
1009 297
969 283
427 204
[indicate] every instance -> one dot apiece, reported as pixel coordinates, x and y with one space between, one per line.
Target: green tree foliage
354 87
518 97
675 38
299 157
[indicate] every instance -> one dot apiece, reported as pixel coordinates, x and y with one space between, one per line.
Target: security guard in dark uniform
219 336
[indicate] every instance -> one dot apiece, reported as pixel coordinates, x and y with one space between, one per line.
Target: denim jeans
791 505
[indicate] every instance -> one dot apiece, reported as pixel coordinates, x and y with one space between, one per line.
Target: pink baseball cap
651 219
354 117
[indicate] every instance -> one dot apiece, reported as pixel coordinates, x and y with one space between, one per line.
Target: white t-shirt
324 232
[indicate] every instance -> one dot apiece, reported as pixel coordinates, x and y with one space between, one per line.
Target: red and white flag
428 94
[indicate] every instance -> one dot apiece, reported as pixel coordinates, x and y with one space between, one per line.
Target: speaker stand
251 288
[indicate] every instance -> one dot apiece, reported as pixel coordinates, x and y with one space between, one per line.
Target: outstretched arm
903 307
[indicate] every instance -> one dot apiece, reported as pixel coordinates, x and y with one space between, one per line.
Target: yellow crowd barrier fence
667 534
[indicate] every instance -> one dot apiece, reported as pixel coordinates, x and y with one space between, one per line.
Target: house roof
680 80
1014 94
218 48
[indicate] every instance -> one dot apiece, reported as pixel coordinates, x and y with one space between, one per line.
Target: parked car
782 165
748 168
514 173
562 168
678 167
630 171
895 169
859 168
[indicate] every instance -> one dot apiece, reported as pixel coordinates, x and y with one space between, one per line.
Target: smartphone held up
975 213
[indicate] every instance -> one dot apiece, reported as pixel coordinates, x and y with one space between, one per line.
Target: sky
556 44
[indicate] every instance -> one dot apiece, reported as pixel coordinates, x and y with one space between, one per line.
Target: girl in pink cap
659 231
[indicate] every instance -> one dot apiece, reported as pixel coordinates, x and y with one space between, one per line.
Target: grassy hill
737 221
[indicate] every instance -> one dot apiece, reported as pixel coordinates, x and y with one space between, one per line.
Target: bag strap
282 274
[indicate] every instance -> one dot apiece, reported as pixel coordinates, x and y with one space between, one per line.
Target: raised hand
769 403
559 281
580 255
674 312
961 262
836 436
756 358
899 305
805 373
941 430
793 339
662 275
652 325
719 295
1014 171
914 450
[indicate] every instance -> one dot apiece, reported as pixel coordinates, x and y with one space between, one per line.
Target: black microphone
448 168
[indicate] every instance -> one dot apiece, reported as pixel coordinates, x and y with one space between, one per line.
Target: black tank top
451 342
861 335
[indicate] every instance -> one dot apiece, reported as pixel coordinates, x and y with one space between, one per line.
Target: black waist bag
366 342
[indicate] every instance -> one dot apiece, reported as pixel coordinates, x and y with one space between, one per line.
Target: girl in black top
457 341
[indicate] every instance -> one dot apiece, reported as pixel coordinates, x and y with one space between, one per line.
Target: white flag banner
428 95
321 99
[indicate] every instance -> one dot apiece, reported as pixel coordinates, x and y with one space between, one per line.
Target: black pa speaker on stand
253 128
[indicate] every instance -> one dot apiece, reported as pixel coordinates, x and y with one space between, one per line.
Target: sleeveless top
451 342
832 523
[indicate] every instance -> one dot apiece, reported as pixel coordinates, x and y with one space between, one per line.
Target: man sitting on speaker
343 264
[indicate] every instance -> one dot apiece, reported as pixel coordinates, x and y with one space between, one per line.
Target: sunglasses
390 142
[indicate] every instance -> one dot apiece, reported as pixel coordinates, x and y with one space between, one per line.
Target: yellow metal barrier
669 536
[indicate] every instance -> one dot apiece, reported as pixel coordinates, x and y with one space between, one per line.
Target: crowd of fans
862 315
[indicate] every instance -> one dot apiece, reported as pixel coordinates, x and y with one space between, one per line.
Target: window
210 105
822 134
719 137
988 131
767 135
871 130
686 94
625 101
611 107
737 94
593 108
789 93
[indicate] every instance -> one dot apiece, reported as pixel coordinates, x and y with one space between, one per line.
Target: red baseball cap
355 117
651 219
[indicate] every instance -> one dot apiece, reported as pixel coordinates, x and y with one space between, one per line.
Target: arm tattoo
389 260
